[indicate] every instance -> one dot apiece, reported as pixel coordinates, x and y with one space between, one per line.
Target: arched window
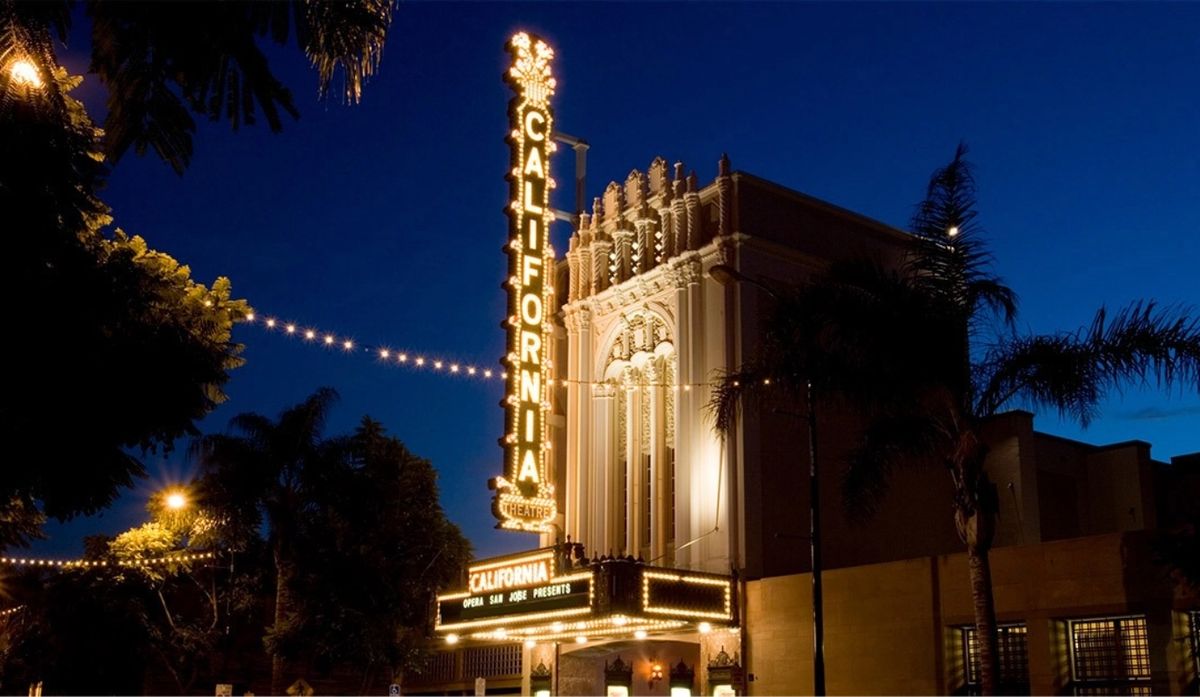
642 368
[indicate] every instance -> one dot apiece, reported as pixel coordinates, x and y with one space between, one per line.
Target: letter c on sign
530 118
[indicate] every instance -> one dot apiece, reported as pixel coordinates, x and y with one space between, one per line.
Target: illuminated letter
530 206
534 164
530 118
529 425
531 387
534 237
531 344
528 271
528 468
533 316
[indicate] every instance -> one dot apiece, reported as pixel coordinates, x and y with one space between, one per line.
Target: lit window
1014 660
1195 627
1110 656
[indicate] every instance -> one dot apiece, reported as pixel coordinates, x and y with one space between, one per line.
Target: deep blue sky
383 220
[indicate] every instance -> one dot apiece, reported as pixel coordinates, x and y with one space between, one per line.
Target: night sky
382 221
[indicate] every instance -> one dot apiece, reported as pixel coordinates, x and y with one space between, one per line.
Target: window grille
492 661
1110 656
1194 625
1013 652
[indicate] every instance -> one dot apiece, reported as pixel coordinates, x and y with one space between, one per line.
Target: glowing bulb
557 626
383 353
470 370
953 231
487 373
402 357
451 638
530 643
501 634
704 627
271 323
176 500
249 316
25 73
328 340
420 361
620 620
437 365
580 640
454 368
347 345
639 634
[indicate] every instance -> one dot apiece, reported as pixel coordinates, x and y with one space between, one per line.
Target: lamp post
726 275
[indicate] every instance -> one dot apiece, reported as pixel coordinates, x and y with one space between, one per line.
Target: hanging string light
99 563
427 362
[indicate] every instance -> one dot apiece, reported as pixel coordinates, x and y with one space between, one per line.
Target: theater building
674 561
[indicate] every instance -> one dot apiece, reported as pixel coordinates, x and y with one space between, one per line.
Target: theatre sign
524 495
546 596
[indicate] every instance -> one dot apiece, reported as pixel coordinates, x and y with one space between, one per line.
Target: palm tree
899 342
264 473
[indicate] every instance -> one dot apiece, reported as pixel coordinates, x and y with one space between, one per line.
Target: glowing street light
176 500
23 72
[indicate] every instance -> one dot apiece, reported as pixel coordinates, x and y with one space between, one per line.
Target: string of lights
88 563
428 362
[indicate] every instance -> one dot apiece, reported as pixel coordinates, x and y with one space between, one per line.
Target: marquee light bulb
530 643
487 373
454 368
704 627
271 323
580 640
420 361
639 634
403 358
383 353
437 365
451 638
310 334
328 340
249 316
347 345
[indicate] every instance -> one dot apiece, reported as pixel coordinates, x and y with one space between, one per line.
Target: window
492 661
1014 660
647 479
671 500
1194 625
1110 656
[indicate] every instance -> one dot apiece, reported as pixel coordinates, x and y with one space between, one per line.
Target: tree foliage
163 63
357 538
115 342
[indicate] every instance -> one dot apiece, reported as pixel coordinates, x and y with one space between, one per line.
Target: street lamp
726 275
176 500
24 73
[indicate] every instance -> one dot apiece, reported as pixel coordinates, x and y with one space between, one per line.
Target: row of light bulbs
419 361
86 563
500 634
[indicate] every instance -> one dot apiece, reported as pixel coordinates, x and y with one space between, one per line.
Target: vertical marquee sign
524 495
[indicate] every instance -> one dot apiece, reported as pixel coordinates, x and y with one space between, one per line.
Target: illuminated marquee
522 571
524 495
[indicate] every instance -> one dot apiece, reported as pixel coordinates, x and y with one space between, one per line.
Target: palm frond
345 37
889 441
1071 372
949 256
